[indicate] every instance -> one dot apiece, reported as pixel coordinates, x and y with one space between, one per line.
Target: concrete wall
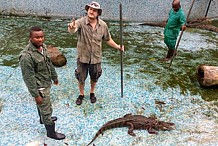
133 10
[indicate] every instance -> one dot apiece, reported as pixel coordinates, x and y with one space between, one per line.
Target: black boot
170 54
52 118
52 134
40 118
79 99
92 97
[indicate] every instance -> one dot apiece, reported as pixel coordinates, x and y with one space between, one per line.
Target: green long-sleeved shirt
37 69
174 23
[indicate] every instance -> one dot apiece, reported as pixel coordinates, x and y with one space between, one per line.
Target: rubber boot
169 55
40 119
54 118
52 134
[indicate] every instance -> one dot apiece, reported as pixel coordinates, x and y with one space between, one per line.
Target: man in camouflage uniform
38 72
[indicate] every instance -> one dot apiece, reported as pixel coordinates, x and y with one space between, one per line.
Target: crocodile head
161 125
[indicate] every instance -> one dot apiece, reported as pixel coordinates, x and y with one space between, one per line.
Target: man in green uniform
175 23
91 32
38 72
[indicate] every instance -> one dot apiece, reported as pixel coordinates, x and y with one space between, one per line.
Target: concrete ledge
135 10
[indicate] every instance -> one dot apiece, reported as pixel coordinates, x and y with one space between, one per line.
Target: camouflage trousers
45 108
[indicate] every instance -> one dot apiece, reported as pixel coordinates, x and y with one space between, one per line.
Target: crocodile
151 124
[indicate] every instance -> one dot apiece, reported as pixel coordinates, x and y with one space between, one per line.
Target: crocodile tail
120 122
96 135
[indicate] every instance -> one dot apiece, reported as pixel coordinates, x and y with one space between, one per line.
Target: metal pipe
121 44
208 8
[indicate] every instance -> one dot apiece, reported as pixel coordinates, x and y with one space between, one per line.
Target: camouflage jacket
37 69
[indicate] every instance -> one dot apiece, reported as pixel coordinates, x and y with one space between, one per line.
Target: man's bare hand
72 25
183 27
38 100
121 48
56 82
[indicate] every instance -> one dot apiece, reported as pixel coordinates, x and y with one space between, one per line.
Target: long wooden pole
208 8
180 36
121 44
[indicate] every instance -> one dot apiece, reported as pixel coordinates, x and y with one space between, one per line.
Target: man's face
37 38
92 13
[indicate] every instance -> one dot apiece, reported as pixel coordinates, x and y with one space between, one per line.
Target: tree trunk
57 58
207 75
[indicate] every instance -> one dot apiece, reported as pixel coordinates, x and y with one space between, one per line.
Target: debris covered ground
146 81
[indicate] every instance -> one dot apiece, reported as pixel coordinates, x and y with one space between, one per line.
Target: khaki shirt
89 45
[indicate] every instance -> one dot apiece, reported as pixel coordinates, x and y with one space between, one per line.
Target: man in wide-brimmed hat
91 32
94 5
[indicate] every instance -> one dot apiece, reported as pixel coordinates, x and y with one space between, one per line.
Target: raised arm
72 27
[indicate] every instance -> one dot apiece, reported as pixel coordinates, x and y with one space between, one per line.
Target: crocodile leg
131 128
127 115
151 131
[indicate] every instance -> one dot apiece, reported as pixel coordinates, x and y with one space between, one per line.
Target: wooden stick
177 44
208 8
121 44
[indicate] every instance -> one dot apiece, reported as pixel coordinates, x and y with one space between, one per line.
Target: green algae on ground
146 80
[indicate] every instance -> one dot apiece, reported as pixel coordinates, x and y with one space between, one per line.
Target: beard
92 16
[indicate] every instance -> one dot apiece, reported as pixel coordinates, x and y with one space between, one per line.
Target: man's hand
183 27
56 82
72 25
121 48
38 100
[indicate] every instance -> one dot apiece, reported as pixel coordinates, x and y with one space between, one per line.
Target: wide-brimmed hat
94 5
